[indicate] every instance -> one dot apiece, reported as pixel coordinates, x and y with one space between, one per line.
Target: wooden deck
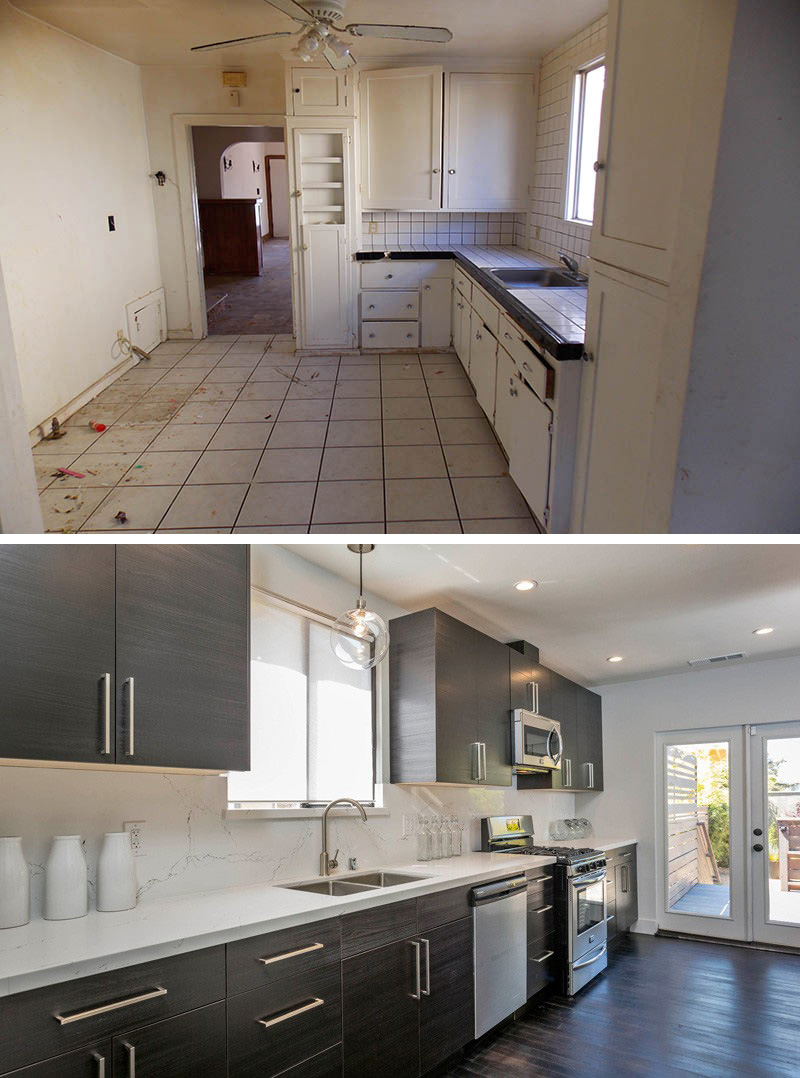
707 899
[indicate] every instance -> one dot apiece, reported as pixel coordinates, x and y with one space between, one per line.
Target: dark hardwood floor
663 1007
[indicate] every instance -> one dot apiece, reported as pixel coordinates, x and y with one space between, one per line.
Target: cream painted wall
74 151
191 844
240 181
170 91
633 713
208 144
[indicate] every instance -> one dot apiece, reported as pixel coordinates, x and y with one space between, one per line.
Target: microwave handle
554 756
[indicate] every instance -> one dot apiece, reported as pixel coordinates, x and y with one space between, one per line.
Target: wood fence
682 816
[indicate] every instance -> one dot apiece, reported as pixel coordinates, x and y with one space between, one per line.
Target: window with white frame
587 100
312 720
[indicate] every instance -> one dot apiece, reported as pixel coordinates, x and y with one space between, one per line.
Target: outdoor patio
707 899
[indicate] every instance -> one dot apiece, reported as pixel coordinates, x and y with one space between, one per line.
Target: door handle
758 847
131 1050
131 718
477 746
100 1060
418 972
451 171
591 776
483 755
591 961
106 750
426 991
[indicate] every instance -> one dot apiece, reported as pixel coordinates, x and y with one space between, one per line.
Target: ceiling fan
319 38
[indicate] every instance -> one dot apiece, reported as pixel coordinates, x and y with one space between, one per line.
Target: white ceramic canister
66 880
116 873
15 884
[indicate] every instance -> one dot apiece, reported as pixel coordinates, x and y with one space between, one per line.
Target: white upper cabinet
317 92
401 138
488 140
648 114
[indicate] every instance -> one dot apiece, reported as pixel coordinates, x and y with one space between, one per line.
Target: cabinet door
529 451
483 365
57 641
520 678
590 740
435 313
506 391
380 1012
401 138
542 677
564 705
645 129
456 701
183 616
456 305
465 317
91 1062
446 1013
192 1045
319 93
325 286
488 139
494 720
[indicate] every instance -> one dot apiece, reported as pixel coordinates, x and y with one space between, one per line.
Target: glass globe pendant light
360 637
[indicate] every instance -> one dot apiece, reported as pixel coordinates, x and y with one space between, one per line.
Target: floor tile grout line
444 455
324 446
383 446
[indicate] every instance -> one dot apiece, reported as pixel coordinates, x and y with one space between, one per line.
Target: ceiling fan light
339 47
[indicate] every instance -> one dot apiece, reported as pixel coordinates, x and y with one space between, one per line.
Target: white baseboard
645 926
63 414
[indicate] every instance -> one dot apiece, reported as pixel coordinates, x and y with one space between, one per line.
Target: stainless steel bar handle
483 757
539 879
106 720
591 961
291 954
542 909
105 1008
625 879
100 1060
476 777
426 991
544 957
418 971
131 1050
315 1001
131 718
591 776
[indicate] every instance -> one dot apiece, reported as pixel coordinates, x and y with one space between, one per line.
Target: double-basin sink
356 884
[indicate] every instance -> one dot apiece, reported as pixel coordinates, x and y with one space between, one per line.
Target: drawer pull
539 879
542 909
292 954
389 276
543 957
371 335
312 1003
527 365
409 306
131 1050
106 749
371 307
409 335
101 1064
78 1016
611 917
507 335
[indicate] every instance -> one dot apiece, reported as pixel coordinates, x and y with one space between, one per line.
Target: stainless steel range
579 895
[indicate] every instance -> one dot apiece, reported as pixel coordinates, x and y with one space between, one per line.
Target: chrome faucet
326 865
569 262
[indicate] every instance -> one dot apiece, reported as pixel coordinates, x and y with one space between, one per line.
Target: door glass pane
698 829
590 906
783 846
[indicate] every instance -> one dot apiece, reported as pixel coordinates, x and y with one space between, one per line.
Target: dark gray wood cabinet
446 1009
579 711
57 643
621 891
494 725
590 739
132 655
190 1046
87 1062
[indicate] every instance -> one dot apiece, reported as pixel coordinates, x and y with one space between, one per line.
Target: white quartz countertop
47 952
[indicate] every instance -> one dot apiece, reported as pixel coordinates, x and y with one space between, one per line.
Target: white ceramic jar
15 884
66 880
116 873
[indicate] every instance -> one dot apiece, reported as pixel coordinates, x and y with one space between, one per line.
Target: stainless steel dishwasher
500 923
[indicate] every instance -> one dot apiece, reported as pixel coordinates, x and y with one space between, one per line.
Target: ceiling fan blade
408 33
237 41
292 9
338 63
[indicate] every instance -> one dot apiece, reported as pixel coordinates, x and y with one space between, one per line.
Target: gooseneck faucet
325 863
570 263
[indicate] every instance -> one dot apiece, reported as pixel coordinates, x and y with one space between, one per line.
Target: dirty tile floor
253 304
238 434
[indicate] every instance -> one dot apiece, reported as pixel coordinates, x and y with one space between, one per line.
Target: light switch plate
409 825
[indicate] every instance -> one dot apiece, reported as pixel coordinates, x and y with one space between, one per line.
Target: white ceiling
163 31
657 605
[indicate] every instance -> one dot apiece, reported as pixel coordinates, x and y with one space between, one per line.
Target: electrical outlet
409 825
136 829
373 228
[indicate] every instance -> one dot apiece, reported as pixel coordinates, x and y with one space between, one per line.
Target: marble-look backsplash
191 845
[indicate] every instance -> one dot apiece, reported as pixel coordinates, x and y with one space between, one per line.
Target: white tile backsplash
393 227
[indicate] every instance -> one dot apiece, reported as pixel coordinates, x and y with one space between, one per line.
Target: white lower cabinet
483 364
506 392
325 289
462 330
389 304
390 334
529 449
435 313
406 304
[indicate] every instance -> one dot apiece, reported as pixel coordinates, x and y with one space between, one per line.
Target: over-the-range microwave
537 742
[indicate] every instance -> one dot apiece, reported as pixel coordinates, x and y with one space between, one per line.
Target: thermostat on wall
234 78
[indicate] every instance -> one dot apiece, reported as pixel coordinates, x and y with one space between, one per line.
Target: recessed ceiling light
526 585
615 658
763 632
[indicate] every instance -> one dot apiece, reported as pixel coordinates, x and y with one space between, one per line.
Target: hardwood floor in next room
664 1008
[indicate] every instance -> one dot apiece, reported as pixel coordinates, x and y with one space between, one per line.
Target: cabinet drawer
389 305
85 1063
443 907
486 309
325 1065
463 283
390 334
189 1046
541 918
53 1020
367 929
284 1024
265 959
402 274
542 967
528 359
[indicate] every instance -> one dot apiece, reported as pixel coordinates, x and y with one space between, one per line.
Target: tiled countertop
48 952
554 317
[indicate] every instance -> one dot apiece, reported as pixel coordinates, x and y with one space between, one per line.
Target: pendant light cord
361 574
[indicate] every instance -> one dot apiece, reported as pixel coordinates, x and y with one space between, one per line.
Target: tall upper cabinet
456 142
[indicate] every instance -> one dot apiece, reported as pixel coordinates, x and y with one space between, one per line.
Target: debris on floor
56 431
121 517
68 471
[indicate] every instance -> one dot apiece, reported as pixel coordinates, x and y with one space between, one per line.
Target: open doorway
242 198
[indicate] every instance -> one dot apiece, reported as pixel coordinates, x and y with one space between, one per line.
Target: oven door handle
592 960
554 756
590 877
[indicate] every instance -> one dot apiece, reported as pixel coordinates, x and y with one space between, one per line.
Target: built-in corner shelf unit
320 180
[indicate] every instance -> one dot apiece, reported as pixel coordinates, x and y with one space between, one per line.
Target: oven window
535 741
590 906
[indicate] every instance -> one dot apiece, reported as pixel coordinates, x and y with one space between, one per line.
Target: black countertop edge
531 323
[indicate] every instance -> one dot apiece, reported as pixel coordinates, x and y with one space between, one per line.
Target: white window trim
256 810
579 68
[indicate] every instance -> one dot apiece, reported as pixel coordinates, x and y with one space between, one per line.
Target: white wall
171 91
74 151
208 144
633 713
191 845
552 145
739 460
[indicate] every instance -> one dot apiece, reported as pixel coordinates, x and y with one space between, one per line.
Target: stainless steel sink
537 278
385 879
354 885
